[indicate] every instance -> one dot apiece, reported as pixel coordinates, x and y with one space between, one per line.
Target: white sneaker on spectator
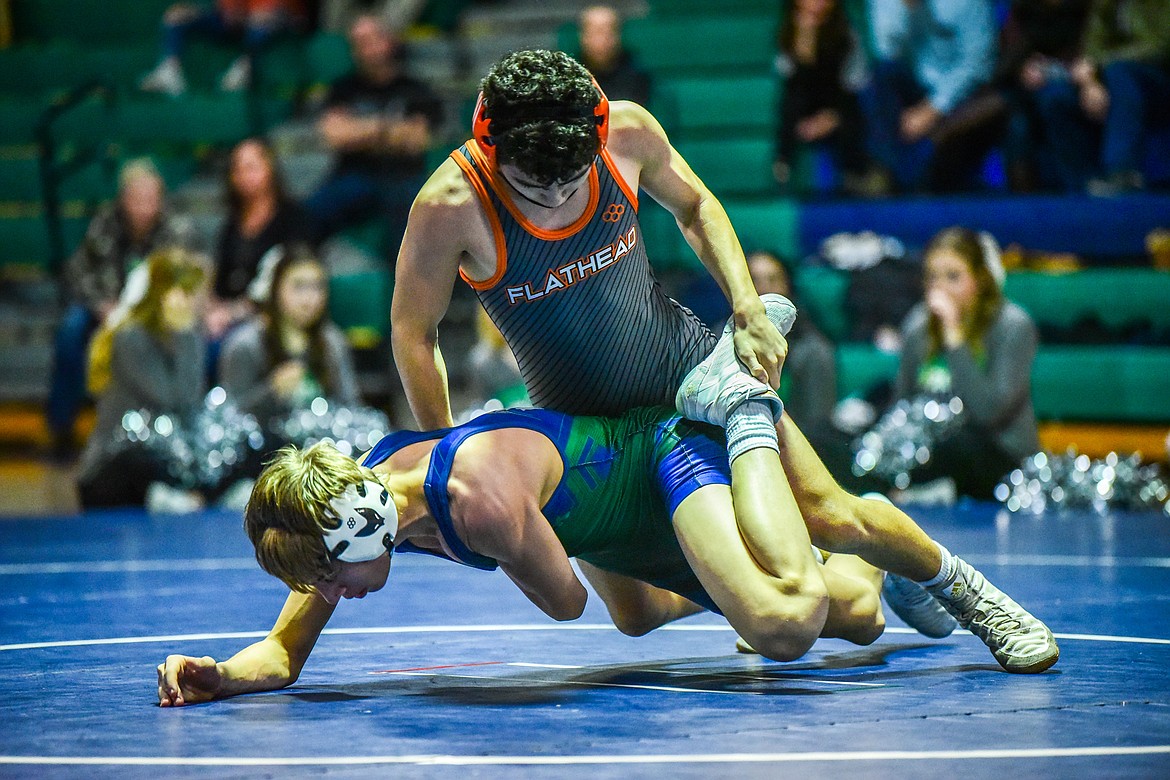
167 78
238 75
162 499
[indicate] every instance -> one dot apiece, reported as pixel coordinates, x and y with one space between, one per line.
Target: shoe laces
995 619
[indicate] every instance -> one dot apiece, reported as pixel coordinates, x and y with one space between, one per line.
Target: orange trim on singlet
617 176
485 200
546 235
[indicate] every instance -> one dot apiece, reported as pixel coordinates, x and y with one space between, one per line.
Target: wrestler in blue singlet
624 477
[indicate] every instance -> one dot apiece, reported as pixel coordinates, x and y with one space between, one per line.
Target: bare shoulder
499 480
446 189
635 134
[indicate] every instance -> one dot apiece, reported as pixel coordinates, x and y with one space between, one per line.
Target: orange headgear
481 122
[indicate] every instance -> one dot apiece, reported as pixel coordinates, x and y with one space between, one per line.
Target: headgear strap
369 523
484 128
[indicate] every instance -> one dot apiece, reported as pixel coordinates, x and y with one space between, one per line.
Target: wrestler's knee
785 628
634 622
864 620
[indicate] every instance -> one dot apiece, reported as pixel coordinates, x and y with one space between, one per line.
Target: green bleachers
714 106
822 294
89 21
731 166
193 119
1094 383
691 44
668 8
327 57
860 367
1118 384
25 241
768 224
360 305
1115 296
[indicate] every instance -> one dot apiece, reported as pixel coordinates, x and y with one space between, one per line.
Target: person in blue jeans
1117 93
253 22
926 123
379 122
120 235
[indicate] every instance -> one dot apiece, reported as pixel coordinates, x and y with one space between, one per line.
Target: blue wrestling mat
460 674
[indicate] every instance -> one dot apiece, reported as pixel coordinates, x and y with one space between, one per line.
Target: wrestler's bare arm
500 479
640 147
439 236
273 662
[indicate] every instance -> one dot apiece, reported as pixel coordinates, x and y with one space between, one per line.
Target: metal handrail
55 171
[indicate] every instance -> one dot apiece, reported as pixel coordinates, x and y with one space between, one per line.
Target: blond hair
138 169
290 509
166 268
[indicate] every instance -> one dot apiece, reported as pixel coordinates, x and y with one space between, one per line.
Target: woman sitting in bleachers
147 358
291 352
261 215
119 237
966 341
822 66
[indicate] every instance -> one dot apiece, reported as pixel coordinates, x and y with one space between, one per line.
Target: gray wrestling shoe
917 608
1021 643
712 389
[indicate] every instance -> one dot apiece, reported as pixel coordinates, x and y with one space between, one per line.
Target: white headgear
991 257
369 523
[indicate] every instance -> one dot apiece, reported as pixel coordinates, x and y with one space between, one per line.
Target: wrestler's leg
749 549
855 602
840 522
636 607
887 538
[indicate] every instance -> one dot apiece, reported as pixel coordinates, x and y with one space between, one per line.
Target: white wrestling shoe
1021 643
917 608
712 389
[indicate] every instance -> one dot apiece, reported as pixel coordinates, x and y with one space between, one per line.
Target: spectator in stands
822 66
397 15
1039 44
931 117
291 352
809 378
253 22
119 237
1124 82
966 340
261 215
149 359
617 72
379 122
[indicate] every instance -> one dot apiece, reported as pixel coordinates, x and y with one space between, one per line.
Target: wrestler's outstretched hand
183 679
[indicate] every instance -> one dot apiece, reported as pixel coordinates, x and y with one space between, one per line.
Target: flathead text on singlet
569 274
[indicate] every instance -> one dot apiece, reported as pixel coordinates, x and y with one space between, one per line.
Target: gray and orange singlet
591 328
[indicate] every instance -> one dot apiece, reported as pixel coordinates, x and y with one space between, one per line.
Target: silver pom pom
905 437
1073 480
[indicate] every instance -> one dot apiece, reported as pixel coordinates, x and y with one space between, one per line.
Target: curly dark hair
541 108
